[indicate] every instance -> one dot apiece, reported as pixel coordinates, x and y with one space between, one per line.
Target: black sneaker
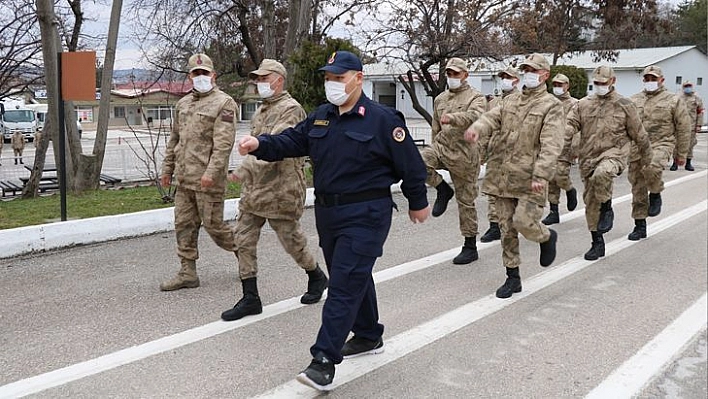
362 346
319 374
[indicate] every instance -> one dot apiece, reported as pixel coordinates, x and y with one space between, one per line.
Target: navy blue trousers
351 237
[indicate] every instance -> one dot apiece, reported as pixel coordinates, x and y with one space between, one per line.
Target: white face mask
602 90
651 86
559 91
202 83
531 80
507 84
454 83
336 92
264 90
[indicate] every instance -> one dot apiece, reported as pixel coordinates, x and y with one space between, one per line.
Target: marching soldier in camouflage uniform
561 85
668 125
197 154
695 112
607 123
454 111
18 145
273 192
509 81
525 136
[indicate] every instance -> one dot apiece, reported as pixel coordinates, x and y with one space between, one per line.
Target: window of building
247 110
699 81
119 112
84 113
679 79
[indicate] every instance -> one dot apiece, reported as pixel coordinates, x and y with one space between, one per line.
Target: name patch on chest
321 122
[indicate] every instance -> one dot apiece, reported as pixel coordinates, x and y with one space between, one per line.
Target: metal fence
129 154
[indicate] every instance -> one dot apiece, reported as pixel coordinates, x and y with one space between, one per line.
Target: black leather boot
250 304
688 166
548 249
597 250
445 193
654 204
572 197
469 252
316 284
607 217
640 230
511 285
553 216
674 166
492 234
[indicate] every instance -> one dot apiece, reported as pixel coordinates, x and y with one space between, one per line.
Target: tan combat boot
185 278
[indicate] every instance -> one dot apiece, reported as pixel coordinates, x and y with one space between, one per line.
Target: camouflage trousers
289 233
598 189
18 152
464 171
519 216
694 141
492 209
194 208
647 180
561 180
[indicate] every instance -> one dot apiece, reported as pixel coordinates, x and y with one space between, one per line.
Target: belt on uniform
350 198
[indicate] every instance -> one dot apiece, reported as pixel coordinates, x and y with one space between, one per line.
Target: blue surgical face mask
688 90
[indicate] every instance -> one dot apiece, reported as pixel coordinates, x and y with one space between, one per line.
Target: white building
679 64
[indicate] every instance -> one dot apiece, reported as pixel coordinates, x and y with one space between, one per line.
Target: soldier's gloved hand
247 144
165 180
471 135
207 181
419 216
537 186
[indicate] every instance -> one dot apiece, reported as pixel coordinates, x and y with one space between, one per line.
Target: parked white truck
16 116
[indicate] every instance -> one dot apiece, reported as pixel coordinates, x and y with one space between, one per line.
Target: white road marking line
122 357
632 376
433 330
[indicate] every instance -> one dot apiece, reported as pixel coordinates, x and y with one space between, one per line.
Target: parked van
40 113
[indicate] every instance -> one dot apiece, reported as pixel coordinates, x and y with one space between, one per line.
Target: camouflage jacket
274 190
607 125
494 102
666 121
18 141
464 105
524 136
203 134
568 103
695 106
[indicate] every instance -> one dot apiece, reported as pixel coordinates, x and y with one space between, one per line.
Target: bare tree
82 170
20 49
426 33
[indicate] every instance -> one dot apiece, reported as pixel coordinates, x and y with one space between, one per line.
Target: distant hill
121 76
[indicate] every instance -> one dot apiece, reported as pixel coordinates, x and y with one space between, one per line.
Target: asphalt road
90 321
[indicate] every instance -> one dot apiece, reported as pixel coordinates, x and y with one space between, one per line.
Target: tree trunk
268 18
90 178
409 85
47 21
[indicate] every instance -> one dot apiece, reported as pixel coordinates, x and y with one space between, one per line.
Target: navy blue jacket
367 148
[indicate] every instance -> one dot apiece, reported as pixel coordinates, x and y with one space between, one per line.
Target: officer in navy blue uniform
359 148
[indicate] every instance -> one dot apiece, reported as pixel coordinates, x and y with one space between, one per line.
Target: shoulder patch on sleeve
227 115
399 134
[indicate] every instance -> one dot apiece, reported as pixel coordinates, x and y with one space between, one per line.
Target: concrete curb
46 237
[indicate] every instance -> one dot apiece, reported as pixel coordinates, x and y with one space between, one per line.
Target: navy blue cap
342 61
